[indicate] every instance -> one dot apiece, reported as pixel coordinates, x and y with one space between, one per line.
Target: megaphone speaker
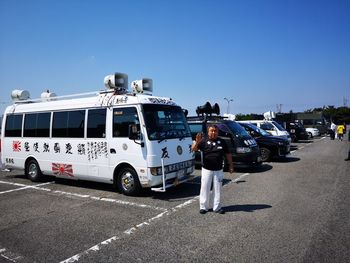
205 109
215 109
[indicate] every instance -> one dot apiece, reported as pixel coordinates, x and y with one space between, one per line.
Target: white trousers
208 177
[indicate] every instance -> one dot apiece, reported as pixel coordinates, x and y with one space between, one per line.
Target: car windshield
278 126
257 129
165 122
237 129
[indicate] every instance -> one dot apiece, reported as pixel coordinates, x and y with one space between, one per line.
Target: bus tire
128 182
265 154
33 171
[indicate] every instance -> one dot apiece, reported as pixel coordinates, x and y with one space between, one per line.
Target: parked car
244 149
272 127
297 131
270 146
312 132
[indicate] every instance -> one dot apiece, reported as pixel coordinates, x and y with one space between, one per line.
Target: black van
270 146
297 131
243 147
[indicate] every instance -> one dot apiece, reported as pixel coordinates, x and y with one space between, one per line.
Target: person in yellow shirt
340 131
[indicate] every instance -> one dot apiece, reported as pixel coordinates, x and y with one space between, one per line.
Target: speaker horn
117 81
205 109
215 109
185 111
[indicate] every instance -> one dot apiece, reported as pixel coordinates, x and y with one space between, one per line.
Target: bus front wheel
128 181
33 171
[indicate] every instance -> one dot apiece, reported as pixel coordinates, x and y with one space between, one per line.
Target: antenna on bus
117 82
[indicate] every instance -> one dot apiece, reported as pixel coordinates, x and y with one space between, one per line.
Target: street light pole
228 104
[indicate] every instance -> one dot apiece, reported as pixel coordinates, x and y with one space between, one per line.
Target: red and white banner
62 169
16 146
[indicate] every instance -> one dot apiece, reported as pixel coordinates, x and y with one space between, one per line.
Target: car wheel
33 171
128 182
265 154
310 135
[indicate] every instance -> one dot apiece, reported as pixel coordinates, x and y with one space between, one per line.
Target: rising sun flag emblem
61 169
16 146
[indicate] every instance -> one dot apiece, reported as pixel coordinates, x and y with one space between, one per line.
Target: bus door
126 149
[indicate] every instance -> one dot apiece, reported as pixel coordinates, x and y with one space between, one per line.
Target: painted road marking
23 187
9 256
68 194
134 229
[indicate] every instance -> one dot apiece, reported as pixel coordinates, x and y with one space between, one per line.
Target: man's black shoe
202 211
347 159
220 211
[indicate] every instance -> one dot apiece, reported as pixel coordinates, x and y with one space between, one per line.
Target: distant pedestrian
333 130
214 149
340 131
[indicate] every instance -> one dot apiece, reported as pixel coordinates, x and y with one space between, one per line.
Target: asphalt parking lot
289 210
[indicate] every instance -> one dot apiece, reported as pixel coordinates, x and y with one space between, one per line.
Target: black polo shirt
213 153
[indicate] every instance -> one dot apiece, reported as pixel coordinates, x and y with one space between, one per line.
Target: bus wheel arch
126 179
32 170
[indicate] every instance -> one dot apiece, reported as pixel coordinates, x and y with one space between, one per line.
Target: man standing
213 149
333 130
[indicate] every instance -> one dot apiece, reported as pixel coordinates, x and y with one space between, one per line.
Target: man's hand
199 137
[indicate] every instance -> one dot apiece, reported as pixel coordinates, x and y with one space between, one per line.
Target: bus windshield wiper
162 139
183 137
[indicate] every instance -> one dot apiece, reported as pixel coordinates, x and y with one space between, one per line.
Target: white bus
130 139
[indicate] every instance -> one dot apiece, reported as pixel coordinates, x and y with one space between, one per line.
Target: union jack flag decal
16 146
62 169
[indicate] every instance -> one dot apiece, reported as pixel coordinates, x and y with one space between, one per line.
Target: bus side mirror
134 132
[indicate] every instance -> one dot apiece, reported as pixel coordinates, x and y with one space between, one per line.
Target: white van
272 127
130 139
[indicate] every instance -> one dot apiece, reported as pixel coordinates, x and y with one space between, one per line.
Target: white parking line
9 256
134 229
310 143
95 198
23 187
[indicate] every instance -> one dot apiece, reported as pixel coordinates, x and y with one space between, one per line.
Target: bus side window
122 118
96 125
68 124
37 124
13 127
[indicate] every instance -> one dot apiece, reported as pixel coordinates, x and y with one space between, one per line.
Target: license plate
180 173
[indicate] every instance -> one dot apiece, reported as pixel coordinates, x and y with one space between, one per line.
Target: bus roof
97 99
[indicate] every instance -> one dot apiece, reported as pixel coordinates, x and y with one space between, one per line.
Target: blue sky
259 53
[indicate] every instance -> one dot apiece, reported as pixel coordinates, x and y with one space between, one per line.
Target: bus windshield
165 122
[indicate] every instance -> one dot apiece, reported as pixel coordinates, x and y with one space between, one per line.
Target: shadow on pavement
245 208
256 169
287 160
